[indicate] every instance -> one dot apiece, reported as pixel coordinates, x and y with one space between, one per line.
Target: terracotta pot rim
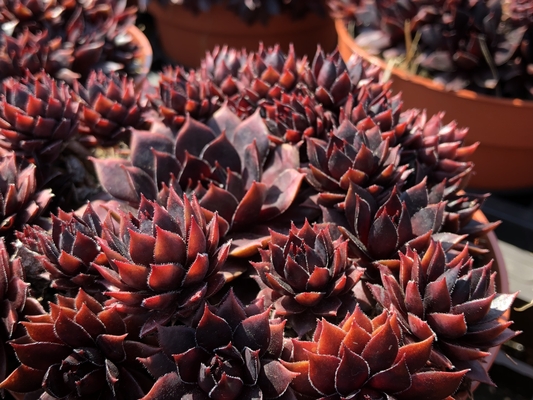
144 53
503 279
426 82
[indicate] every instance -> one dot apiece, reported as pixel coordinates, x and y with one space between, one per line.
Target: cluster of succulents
479 45
265 226
66 38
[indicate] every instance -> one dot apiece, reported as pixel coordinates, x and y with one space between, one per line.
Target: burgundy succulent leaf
307 275
20 200
364 358
38 116
458 302
164 262
67 251
112 108
231 353
79 350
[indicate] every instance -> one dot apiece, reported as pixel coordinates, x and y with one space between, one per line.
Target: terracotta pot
185 37
504 160
143 56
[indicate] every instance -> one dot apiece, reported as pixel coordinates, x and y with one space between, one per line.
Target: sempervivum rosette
164 262
365 358
354 155
79 350
407 218
112 107
458 302
14 295
222 66
293 117
229 165
66 251
15 301
428 146
33 52
20 201
181 94
435 150
308 275
231 353
38 116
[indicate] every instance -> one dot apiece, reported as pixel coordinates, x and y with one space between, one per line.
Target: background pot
504 159
143 55
185 37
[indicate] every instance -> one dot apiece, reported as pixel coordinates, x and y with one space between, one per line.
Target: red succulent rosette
112 107
307 275
15 298
458 302
354 155
38 116
365 358
231 353
163 263
67 251
230 165
184 93
20 200
377 233
79 350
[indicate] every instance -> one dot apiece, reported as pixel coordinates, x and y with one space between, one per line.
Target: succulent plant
38 116
230 167
79 350
66 252
73 36
295 97
240 361
363 358
477 45
20 200
14 295
458 302
354 155
16 302
33 52
431 149
163 263
112 108
181 94
378 232
307 275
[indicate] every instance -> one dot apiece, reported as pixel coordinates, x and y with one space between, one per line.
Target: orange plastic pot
504 127
185 37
